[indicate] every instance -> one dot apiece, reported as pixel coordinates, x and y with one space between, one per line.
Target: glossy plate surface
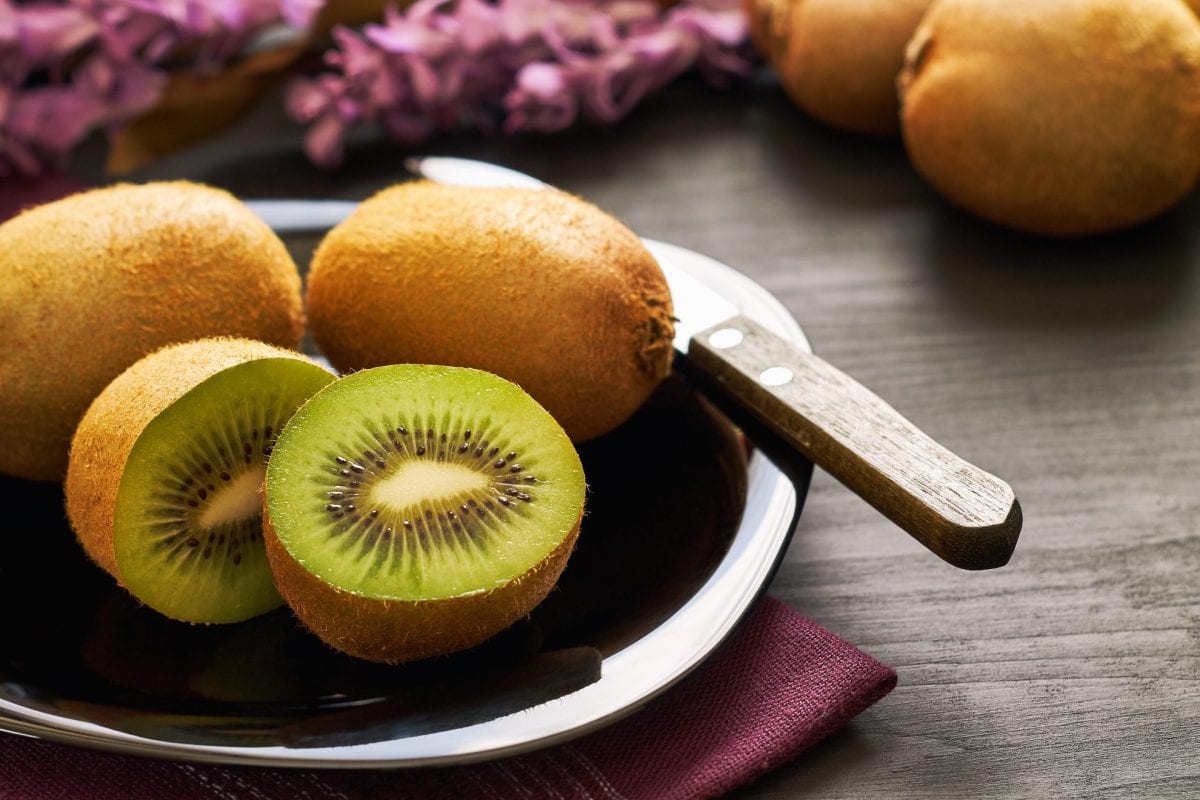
683 532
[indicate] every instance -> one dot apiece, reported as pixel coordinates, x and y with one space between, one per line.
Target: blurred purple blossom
532 64
68 67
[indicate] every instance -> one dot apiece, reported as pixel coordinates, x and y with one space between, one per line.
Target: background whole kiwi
838 59
1053 117
1060 117
91 283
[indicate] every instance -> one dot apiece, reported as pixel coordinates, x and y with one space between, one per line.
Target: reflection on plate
654 532
680 535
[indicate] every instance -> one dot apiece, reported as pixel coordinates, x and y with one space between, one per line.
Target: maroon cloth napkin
779 684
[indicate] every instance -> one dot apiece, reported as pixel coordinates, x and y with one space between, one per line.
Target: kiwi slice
165 475
417 510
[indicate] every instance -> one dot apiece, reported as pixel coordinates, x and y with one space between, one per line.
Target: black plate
681 534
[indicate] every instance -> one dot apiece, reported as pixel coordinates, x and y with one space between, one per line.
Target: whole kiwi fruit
164 482
534 285
92 282
1058 117
414 510
838 59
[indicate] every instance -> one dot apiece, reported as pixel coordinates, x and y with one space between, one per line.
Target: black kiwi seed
386 534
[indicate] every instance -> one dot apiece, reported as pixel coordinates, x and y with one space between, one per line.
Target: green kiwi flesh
422 483
187 523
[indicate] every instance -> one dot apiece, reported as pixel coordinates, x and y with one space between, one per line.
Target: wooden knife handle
965 515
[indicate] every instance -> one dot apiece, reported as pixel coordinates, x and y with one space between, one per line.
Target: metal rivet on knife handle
725 338
965 515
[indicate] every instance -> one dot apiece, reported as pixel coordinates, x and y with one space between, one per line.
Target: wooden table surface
1072 369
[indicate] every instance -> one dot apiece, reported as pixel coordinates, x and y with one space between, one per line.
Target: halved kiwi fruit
166 469
414 510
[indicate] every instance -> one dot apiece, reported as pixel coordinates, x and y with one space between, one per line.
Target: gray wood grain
1071 369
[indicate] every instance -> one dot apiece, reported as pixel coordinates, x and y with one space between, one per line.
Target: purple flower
49 35
534 64
70 67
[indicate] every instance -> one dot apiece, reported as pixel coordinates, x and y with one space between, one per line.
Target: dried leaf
196 106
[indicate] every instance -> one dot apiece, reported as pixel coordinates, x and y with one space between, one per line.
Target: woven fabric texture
779 684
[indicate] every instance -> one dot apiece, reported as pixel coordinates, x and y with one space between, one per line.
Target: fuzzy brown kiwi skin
116 419
400 631
91 283
1022 113
536 286
838 59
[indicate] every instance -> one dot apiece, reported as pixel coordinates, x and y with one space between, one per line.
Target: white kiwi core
237 501
417 481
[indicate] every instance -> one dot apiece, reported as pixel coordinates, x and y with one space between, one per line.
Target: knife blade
963 514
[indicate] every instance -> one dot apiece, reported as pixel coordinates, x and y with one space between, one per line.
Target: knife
968 517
